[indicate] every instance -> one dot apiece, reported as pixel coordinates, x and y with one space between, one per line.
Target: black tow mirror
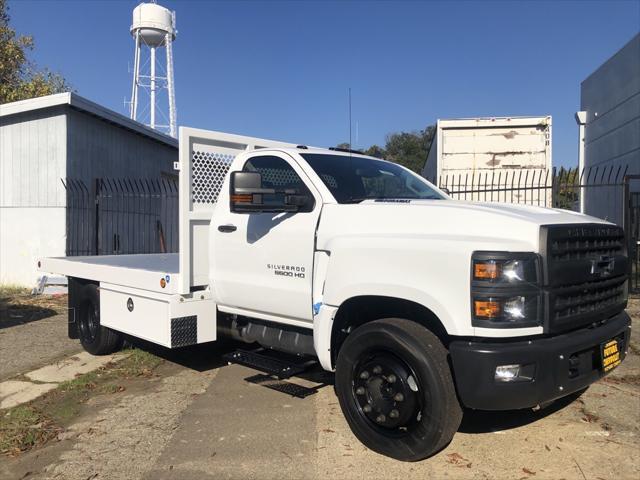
246 192
245 182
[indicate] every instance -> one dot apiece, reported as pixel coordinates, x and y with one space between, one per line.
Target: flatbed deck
143 271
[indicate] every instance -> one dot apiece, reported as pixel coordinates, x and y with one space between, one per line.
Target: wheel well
357 311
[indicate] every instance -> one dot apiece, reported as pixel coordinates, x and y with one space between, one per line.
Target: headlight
523 268
505 291
506 311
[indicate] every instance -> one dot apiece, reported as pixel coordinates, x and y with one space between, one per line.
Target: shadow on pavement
12 315
478 421
202 358
209 356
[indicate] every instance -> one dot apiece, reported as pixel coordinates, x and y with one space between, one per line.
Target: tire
95 339
375 365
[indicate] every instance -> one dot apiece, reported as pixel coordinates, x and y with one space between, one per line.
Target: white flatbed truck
422 305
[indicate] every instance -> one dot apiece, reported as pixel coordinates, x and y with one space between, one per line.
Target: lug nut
366 408
377 369
360 391
380 418
398 397
394 414
364 375
391 378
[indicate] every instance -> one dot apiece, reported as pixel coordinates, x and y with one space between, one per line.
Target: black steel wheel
387 392
396 391
89 323
95 338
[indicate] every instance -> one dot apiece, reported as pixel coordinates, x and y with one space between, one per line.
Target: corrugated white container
497 153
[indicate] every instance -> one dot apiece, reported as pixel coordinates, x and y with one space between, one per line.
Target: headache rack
585 274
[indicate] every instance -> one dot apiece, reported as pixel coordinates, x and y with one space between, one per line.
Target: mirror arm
251 191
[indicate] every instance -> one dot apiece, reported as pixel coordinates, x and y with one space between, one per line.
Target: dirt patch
27 426
18 306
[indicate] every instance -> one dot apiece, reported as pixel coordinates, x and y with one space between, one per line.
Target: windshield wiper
362 199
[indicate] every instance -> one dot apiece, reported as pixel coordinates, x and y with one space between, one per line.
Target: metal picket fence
559 188
114 216
631 224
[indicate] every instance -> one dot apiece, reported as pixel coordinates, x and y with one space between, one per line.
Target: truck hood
507 226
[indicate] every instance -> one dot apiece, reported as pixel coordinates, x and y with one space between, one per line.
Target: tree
375 151
19 78
410 149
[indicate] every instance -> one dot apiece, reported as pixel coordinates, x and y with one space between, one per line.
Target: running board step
264 363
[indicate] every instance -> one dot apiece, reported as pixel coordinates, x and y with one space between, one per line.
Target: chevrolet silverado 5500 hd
422 305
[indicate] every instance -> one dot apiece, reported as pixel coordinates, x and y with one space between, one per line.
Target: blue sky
282 70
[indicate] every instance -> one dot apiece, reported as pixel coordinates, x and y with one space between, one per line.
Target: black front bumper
563 364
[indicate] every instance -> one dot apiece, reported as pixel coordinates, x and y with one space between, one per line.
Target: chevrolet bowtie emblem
603 267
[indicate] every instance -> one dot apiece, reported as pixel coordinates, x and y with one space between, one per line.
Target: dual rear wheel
396 391
95 338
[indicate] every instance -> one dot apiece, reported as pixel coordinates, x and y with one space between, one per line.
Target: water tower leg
170 87
153 87
133 107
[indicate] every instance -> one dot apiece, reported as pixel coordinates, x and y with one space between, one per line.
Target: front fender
431 271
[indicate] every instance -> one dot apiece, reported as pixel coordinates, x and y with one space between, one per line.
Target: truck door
263 262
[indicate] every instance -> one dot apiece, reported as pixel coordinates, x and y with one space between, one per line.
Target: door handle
227 228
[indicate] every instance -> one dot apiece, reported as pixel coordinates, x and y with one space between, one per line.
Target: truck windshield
354 179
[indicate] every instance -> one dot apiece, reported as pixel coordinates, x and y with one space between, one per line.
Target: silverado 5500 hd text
421 304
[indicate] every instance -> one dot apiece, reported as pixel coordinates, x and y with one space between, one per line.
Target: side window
278 174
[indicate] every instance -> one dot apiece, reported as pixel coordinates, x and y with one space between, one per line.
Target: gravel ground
198 420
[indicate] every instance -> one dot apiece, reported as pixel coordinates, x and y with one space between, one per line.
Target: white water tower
153 28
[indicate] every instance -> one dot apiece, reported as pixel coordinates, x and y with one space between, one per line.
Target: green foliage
409 149
567 189
19 79
375 151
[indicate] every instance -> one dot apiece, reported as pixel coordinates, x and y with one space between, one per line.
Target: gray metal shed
47 139
610 100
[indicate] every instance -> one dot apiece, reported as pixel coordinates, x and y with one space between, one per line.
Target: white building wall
26 234
32 197
32 153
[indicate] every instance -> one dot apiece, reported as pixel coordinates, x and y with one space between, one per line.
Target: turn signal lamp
487 309
486 270
241 198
